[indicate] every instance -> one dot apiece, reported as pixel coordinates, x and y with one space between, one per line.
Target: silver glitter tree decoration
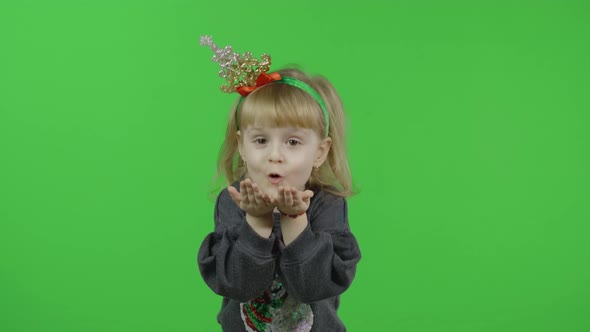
238 70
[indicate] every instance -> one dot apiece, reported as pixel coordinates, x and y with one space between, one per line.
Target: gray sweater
267 285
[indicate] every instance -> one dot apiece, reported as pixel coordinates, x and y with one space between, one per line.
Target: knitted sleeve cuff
253 242
302 247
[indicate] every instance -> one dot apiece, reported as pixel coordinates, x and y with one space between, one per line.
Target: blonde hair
280 105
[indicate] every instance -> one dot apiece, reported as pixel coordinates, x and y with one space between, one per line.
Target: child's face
278 156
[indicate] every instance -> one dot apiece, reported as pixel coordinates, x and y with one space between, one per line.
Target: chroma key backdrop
468 140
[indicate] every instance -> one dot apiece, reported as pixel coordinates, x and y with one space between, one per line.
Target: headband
244 74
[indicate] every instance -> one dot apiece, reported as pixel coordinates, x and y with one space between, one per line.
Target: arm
321 262
295 204
292 227
234 260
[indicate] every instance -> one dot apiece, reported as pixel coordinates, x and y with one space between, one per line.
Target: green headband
303 86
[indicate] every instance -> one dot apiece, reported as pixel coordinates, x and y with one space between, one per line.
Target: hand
291 201
251 199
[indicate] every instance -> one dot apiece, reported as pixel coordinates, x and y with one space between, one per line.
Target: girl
282 251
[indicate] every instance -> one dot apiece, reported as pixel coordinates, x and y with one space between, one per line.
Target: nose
275 154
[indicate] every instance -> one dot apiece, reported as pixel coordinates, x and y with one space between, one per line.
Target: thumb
235 194
307 194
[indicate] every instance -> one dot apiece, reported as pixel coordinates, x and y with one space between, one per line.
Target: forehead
280 105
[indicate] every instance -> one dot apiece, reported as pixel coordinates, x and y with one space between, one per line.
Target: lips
275 178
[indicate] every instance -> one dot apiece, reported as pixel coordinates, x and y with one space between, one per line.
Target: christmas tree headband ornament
244 74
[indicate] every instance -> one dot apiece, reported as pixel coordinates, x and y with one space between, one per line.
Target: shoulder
224 198
327 210
226 208
323 198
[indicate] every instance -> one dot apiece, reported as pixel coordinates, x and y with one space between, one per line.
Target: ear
322 152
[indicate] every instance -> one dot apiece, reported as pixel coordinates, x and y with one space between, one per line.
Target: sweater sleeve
234 260
321 262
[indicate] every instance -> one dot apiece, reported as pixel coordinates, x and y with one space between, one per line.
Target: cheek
301 177
254 166
304 168
251 156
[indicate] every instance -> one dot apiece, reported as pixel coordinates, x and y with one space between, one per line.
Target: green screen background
468 140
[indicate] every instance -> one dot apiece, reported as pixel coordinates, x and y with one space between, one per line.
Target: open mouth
274 178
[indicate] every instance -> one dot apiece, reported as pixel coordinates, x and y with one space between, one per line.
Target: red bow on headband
262 79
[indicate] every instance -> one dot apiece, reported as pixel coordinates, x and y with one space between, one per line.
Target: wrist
291 228
293 216
259 214
259 219
261 225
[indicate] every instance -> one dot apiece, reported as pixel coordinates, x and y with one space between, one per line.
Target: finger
280 198
297 195
288 197
273 200
250 192
244 192
235 195
257 194
301 198
267 199
307 194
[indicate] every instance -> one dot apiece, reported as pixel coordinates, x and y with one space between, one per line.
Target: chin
269 189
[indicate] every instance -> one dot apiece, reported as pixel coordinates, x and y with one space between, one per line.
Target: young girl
282 251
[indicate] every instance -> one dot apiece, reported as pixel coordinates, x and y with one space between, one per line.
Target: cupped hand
291 201
251 199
